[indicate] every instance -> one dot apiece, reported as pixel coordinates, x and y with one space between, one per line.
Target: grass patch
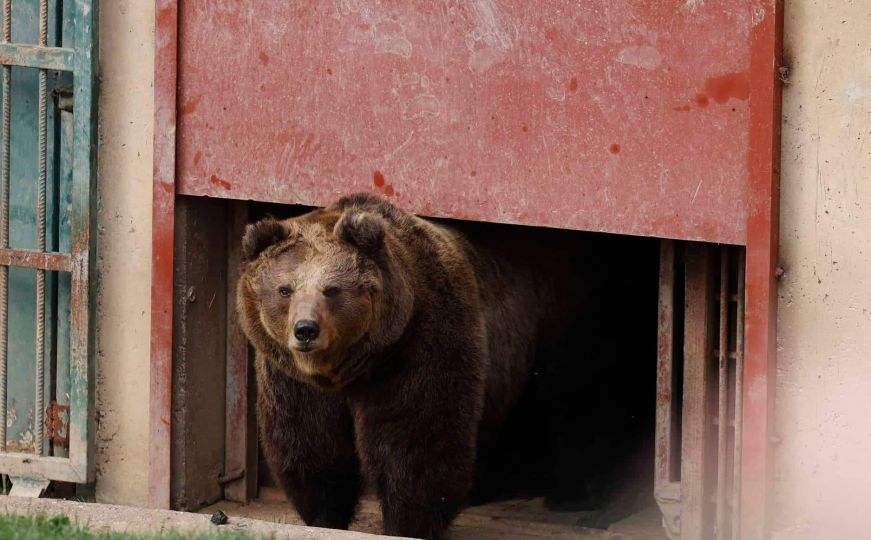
14 527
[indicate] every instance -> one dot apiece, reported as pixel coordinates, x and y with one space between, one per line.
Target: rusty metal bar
26 258
4 219
52 58
39 405
739 399
697 432
666 486
240 446
722 393
665 366
166 37
82 231
62 388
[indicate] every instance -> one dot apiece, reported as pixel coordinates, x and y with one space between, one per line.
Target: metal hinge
64 97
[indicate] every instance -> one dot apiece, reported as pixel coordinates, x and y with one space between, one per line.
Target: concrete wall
124 307
823 467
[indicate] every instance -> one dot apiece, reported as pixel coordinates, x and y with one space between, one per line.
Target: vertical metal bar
739 401
697 433
4 219
163 216
62 377
82 224
39 407
723 391
666 484
240 443
760 332
665 367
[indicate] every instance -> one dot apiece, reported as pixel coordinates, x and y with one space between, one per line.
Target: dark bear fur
429 334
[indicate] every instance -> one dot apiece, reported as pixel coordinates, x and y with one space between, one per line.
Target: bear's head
321 292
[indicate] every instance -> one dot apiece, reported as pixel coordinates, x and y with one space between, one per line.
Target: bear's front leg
416 436
308 439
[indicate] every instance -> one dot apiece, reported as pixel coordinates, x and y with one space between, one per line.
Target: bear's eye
285 291
331 291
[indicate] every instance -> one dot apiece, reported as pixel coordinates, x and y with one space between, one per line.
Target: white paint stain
390 155
643 56
421 106
483 59
858 92
693 5
489 29
407 79
488 42
377 27
393 44
559 79
346 7
757 389
664 179
757 14
556 93
696 193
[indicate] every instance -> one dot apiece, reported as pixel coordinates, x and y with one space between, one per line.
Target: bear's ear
259 236
362 229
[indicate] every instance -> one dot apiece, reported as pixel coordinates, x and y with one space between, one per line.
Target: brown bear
390 348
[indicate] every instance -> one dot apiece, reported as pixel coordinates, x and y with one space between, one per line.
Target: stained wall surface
124 307
823 403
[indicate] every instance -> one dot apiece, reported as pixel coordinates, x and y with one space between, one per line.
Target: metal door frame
761 262
82 62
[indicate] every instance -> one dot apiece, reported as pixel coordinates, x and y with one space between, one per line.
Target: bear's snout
306 331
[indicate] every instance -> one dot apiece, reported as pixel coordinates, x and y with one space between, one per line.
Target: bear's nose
306 330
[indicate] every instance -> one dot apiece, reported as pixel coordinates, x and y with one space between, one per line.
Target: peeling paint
693 5
424 105
488 43
483 59
643 56
556 93
394 44
757 14
482 71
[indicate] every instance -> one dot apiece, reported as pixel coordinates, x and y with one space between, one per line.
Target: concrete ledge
109 517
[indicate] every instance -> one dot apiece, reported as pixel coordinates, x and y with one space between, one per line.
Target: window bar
4 217
39 408
723 393
739 399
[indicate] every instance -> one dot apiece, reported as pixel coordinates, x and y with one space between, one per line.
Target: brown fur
427 338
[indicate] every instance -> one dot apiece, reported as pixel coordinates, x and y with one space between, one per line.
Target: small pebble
219 518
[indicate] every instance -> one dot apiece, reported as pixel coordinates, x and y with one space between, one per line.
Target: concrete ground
518 519
514 520
109 517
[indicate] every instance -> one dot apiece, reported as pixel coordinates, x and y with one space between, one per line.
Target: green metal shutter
48 149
